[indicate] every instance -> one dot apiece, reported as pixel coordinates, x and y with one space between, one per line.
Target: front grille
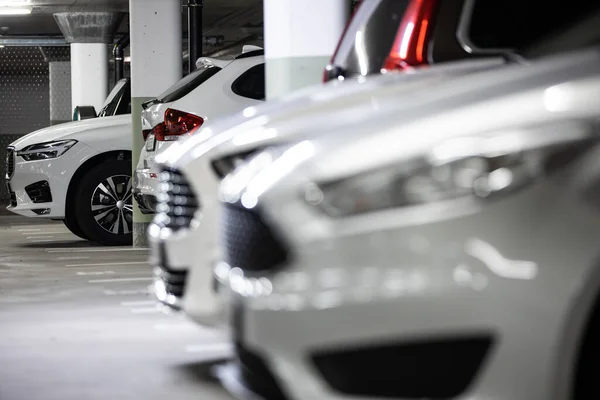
440 368
174 280
248 242
177 202
10 162
13 199
39 192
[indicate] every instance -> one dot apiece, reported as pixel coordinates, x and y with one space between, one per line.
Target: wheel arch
87 166
583 315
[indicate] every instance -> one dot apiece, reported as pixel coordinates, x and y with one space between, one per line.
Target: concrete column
89 34
89 74
300 37
60 92
156 64
59 69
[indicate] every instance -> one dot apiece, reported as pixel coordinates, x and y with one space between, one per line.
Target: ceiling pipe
119 56
194 31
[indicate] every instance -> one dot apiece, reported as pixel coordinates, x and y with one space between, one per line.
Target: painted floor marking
145 310
108 264
129 292
119 280
99 250
139 303
96 273
205 348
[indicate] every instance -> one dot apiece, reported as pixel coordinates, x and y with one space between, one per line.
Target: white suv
218 88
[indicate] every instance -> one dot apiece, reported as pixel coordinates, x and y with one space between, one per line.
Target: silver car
447 251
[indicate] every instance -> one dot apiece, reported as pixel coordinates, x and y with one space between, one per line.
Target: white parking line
119 280
74 258
206 348
80 250
147 310
139 303
107 264
42 241
96 273
30 230
130 292
45 233
40 237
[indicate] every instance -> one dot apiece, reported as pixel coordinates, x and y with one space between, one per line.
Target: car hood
317 109
71 130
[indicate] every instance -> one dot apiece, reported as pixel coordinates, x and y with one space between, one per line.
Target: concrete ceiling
219 15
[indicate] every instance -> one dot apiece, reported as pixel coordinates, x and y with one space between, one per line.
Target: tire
73 226
103 203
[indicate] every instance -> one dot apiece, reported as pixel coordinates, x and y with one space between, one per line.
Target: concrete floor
77 322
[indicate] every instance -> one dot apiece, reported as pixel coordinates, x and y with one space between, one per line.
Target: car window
251 84
122 88
370 36
187 84
497 24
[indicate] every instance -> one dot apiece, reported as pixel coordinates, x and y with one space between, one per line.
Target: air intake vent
10 162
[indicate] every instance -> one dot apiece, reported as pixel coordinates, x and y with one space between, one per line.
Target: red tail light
177 123
410 45
145 133
337 48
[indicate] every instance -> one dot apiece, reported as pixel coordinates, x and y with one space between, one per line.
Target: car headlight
44 151
469 167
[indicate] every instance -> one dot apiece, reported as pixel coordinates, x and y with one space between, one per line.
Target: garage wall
24 99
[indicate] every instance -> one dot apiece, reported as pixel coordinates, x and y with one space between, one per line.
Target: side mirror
84 112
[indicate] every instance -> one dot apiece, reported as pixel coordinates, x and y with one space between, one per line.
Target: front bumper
145 188
39 188
482 287
187 254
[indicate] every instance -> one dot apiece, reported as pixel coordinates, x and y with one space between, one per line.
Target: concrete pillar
300 37
60 92
89 34
59 69
89 74
156 64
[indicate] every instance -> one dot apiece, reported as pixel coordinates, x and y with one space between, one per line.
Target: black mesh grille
13 199
174 280
10 162
39 192
248 242
177 202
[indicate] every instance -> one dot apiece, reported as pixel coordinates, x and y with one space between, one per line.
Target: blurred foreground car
447 251
183 235
386 35
218 88
183 247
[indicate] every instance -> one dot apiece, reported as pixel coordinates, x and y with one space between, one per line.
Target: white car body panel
325 106
94 136
430 271
213 99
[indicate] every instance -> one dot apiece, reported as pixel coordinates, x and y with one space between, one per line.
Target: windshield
114 98
580 34
187 84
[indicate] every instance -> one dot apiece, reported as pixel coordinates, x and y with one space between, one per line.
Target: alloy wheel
112 204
